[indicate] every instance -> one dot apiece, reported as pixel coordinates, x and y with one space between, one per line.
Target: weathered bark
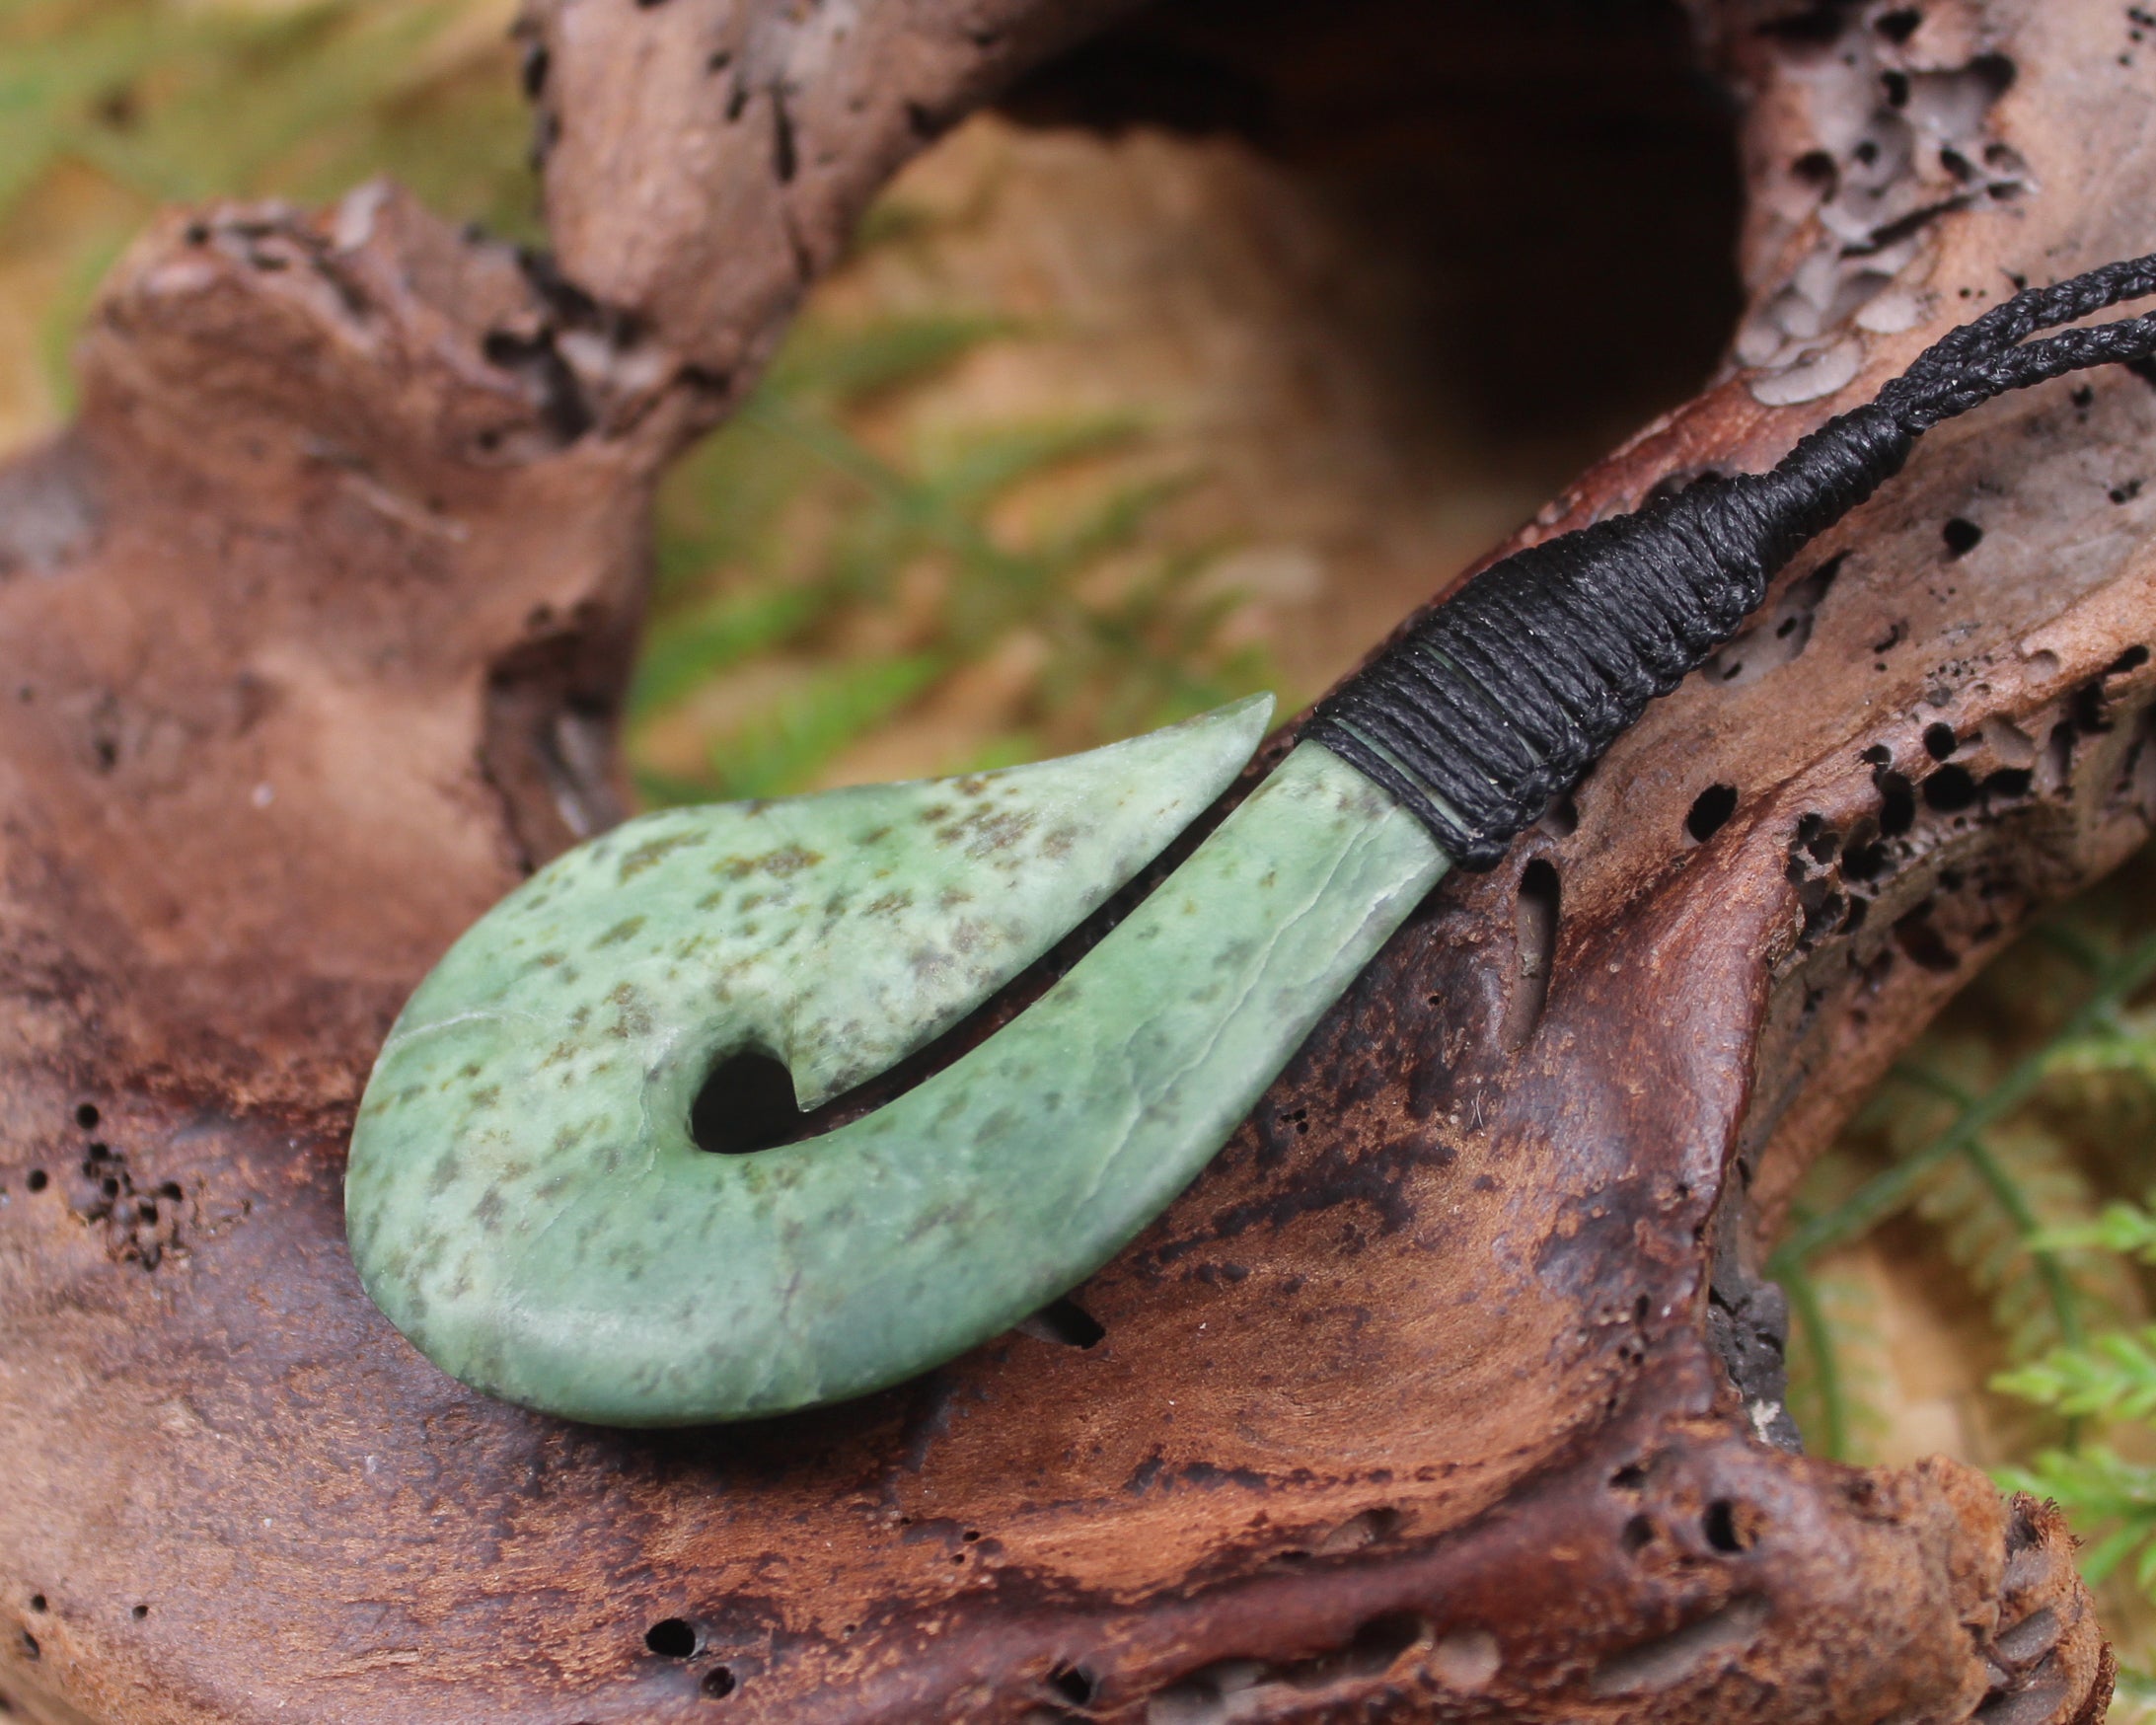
1447 1393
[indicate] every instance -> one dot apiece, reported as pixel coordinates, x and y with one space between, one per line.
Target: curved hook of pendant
525 1200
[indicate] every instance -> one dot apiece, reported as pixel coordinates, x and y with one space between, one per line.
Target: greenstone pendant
525 1200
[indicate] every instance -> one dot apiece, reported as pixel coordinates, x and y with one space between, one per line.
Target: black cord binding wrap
1501 698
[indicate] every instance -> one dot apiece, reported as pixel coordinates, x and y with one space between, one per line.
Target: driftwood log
1451 1392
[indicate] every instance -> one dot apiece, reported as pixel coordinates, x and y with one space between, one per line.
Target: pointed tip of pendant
1245 719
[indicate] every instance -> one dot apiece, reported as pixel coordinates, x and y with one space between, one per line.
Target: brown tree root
1449 1392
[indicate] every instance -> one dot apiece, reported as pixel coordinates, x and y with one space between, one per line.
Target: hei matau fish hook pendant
526 1200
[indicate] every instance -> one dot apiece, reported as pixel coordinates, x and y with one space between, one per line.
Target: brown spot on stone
652 850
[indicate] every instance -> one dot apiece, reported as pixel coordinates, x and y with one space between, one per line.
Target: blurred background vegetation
960 525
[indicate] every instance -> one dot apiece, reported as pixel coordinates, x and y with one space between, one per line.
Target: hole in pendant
671 1638
747 1104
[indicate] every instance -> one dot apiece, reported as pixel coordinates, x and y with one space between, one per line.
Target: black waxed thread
1480 715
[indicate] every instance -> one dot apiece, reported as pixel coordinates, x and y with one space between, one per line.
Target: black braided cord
1501 698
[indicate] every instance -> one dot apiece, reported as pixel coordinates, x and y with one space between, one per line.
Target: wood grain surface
1447 1393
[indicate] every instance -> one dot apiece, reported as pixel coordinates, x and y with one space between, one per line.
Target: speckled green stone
524 1198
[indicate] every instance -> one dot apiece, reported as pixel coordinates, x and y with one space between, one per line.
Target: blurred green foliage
179 102
159 102
790 534
2014 1140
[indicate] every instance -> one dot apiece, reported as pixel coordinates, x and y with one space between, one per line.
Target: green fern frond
784 747
178 103
2121 1227
2111 1376
731 507
1838 1371
685 649
793 501
2108 1076
1991 1207
2098 1489
58 64
1112 524
850 366
310 75
2125 1041
183 103
968 471
1895 1188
